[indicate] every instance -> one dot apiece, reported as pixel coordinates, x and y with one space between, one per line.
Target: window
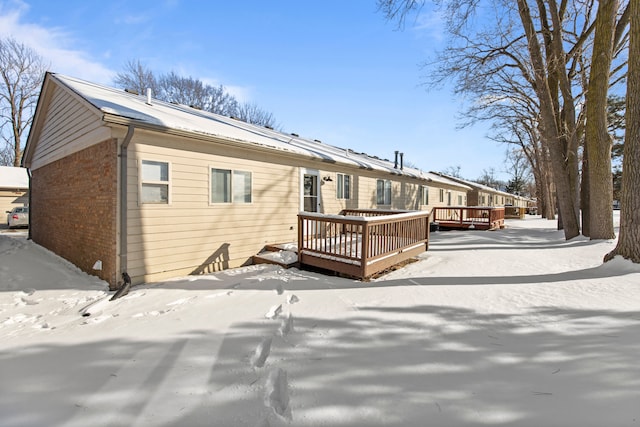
383 192
459 200
424 195
230 186
154 182
343 189
441 195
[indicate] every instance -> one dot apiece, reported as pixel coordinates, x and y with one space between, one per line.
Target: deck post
364 256
300 234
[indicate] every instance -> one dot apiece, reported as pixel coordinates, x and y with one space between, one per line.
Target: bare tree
518 167
536 48
22 71
628 245
489 179
195 93
137 77
251 113
598 142
454 171
172 87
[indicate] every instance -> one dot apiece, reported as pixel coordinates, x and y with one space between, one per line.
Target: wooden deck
469 217
515 212
360 243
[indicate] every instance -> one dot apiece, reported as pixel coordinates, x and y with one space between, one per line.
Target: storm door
310 192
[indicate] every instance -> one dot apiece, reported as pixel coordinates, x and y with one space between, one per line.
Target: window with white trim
343 186
230 186
383 192
459 200
424 195
154 182
441 193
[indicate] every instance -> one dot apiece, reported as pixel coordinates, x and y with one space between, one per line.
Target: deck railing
363 242
515 212
469 217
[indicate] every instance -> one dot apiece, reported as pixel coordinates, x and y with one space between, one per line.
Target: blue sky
331 70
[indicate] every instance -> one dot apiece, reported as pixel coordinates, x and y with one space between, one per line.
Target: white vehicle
18 217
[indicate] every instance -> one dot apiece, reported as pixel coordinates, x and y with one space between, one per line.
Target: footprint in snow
180 301
276 394
29 301
261 353
286 326
274 312
98 319
152 313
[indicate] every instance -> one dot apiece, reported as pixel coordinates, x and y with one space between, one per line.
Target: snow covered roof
13 177
118 105
477 185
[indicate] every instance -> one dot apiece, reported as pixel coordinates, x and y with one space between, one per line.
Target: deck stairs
283 254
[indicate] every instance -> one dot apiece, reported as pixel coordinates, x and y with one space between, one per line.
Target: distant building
14 188
483 195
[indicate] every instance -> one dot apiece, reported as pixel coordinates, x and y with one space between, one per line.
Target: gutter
123 199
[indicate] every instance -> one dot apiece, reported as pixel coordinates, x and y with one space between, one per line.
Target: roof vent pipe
401 161
395 163
149 95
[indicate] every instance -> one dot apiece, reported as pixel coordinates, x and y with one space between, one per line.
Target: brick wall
74 208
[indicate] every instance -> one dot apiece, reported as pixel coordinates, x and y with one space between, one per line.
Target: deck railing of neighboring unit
363 242
469 217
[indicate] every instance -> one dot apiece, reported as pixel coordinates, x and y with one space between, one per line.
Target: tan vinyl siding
434 196
405 192
69 126
192 235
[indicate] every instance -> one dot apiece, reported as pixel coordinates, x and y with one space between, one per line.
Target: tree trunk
549 211
597 139
560 145
584 193
629 237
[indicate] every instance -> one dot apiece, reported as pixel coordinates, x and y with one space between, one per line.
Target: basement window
154 182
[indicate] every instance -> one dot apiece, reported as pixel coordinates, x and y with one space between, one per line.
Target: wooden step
282 258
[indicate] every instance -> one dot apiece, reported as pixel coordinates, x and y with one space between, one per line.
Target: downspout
123 200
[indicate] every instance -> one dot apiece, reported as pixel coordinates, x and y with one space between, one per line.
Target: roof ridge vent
131 91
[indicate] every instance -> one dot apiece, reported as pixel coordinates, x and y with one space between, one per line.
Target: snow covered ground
515 327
